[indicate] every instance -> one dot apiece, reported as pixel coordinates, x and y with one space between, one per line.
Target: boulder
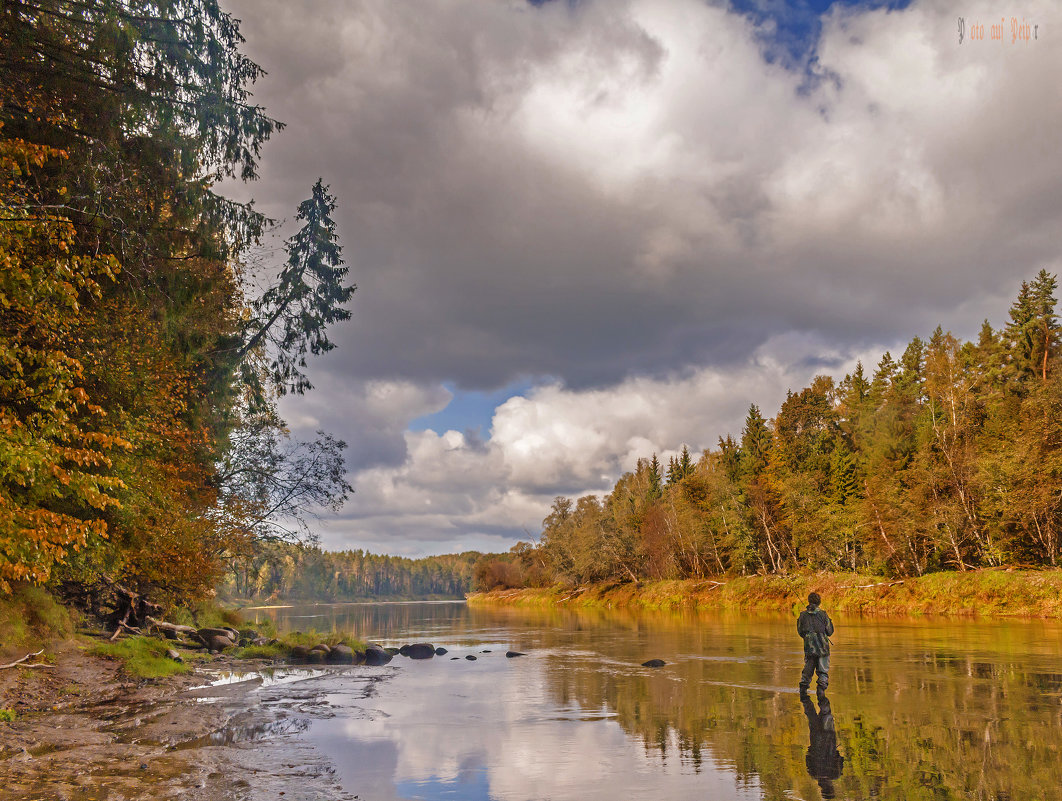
511 654
215 643
440 651
316 657
470 658
207 633
341 655
654 663
250 634
404 650
420 650
262 641
300 652
325 649
376 656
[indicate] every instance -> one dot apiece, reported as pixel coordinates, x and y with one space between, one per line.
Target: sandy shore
85 730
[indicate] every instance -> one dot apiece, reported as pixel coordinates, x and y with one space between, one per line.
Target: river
917 708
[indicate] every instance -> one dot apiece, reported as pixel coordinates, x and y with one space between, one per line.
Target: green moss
144 657
7 716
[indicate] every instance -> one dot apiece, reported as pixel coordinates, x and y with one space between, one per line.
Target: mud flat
228 730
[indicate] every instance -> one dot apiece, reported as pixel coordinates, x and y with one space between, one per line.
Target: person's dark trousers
819 665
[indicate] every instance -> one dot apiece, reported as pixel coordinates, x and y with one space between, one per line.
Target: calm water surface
917 709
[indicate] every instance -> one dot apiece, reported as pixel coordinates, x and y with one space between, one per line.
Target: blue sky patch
470 410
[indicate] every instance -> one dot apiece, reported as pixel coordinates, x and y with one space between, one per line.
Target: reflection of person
824 761
815 627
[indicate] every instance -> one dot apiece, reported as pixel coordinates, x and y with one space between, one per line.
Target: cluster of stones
218 639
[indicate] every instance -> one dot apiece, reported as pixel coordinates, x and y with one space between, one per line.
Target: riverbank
86 728
993 593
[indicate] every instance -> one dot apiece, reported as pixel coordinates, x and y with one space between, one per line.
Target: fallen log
172 631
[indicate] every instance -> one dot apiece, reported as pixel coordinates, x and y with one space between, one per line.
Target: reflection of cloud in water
490 730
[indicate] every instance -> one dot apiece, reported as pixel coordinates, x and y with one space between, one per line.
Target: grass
144 657
30 615
995 593
7 716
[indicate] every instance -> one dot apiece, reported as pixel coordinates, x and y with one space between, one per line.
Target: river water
917 709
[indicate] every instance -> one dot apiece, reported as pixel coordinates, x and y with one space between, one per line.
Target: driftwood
19 662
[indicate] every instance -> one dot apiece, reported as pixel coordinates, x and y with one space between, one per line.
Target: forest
145 334
946 458
288 571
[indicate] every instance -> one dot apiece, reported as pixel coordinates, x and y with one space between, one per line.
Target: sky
585 231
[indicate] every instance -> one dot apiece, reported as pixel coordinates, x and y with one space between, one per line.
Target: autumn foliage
130 357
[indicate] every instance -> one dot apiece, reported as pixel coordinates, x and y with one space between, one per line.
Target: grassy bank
994 593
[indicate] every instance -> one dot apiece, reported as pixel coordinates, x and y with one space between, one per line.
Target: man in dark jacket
815 627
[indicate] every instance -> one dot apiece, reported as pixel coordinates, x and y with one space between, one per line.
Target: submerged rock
654 663
470 658
440 651
511 654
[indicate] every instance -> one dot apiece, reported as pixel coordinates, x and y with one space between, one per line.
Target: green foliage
143 657
8 716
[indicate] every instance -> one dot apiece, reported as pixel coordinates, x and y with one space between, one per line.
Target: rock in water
511 654
654 663
341 655
376 656
440 651
470 658
421 650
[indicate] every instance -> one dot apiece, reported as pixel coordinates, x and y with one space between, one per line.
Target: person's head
814 599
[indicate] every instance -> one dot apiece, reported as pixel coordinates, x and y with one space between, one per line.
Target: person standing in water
815 627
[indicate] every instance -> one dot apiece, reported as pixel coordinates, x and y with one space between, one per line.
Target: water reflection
950 710
824 762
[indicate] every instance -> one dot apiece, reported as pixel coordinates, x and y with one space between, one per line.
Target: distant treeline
283 570
948 458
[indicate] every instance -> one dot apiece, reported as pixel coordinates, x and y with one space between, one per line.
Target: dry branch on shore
20 662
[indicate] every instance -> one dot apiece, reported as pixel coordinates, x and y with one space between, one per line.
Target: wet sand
87 731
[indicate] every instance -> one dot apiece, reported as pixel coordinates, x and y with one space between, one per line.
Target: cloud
622 202
451 490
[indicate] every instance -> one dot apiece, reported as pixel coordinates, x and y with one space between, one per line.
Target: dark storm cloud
628 199
486 249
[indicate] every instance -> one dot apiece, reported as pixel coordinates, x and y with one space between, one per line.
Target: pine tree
755 442
654 490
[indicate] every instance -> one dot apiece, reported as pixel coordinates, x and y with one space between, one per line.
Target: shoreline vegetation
1004 592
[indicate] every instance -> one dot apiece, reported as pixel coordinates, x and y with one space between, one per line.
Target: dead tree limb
19 662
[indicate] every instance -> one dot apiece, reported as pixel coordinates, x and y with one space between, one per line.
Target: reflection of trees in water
911 725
